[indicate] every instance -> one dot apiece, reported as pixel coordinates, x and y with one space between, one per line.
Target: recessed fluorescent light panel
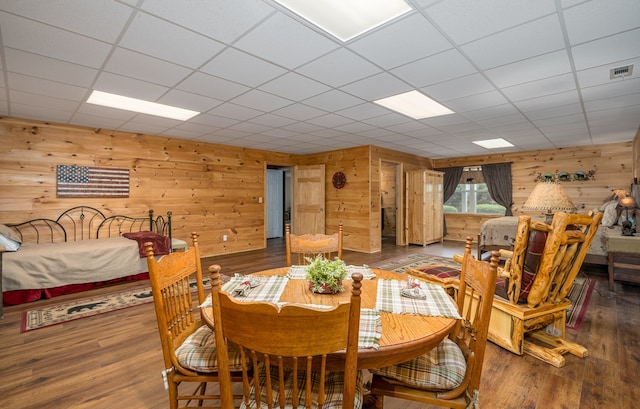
493 143
139 105
347 19
414 104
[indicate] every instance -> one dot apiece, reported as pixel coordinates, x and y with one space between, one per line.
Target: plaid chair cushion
198 352
334 384
442 368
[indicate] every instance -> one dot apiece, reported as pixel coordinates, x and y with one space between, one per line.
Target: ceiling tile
437 68
234 65
537 37
467 20
260 100
152 36
607 50
352 68
134 65
532 69
294 87
477 101
286 42
460 87
214 87
333 99
45 40
600 18
48 68
81 17
388 48
547 86
223 20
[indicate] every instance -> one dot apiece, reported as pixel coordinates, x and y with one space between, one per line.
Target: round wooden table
404 336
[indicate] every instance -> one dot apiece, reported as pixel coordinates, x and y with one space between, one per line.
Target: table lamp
627 203
550 197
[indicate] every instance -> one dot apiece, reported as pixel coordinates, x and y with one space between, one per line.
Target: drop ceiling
536 73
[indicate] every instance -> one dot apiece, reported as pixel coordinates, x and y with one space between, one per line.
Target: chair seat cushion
334 385
442 368
198 352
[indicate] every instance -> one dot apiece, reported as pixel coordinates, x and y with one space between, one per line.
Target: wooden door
308 200
424 194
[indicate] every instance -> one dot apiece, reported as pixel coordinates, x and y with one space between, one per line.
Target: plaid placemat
437 303
370 329
299 273
270 288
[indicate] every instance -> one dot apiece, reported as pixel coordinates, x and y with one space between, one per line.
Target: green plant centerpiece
325 276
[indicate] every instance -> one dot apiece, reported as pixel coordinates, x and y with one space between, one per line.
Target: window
472 195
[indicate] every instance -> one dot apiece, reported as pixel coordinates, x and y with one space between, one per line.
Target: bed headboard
40 231
81 222
114 226
87 223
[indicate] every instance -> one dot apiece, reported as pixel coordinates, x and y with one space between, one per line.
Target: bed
499 233
79 250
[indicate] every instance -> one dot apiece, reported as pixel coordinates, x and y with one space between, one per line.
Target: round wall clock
339 180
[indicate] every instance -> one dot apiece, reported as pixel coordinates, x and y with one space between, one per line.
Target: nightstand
624 258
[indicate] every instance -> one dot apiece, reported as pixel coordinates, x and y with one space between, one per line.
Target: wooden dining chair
287 346
449 375
188 346
303 246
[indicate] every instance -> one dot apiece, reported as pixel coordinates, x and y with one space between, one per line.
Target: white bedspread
36 266
501 232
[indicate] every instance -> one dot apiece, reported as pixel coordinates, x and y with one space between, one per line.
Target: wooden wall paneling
612 164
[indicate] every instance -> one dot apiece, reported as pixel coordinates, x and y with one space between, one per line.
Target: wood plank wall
357 204
211 189
612 163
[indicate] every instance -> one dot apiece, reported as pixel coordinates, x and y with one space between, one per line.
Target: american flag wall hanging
88 181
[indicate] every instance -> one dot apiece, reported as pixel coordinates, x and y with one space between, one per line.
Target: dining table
405 327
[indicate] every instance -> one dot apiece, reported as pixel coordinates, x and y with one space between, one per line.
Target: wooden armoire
424 214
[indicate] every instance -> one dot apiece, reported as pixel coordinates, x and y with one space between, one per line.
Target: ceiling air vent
621 72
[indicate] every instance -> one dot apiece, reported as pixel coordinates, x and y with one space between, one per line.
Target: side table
624 258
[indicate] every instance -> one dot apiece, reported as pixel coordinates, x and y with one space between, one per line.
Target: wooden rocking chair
538 274
530 301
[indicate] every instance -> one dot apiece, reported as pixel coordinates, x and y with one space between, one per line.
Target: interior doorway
278 200
391 213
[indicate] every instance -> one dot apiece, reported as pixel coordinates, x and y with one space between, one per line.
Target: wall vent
621 72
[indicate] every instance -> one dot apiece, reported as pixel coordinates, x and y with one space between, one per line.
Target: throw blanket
161 244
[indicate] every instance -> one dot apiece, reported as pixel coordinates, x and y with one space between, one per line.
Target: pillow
610 216
537 240
9 233
10 245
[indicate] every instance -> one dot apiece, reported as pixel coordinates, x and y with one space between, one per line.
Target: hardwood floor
114 360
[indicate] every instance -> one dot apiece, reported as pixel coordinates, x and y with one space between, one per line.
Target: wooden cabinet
424 218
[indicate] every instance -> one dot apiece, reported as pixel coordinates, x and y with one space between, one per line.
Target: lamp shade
628 202
549 196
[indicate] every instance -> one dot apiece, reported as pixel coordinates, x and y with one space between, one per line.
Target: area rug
400 264
87 307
